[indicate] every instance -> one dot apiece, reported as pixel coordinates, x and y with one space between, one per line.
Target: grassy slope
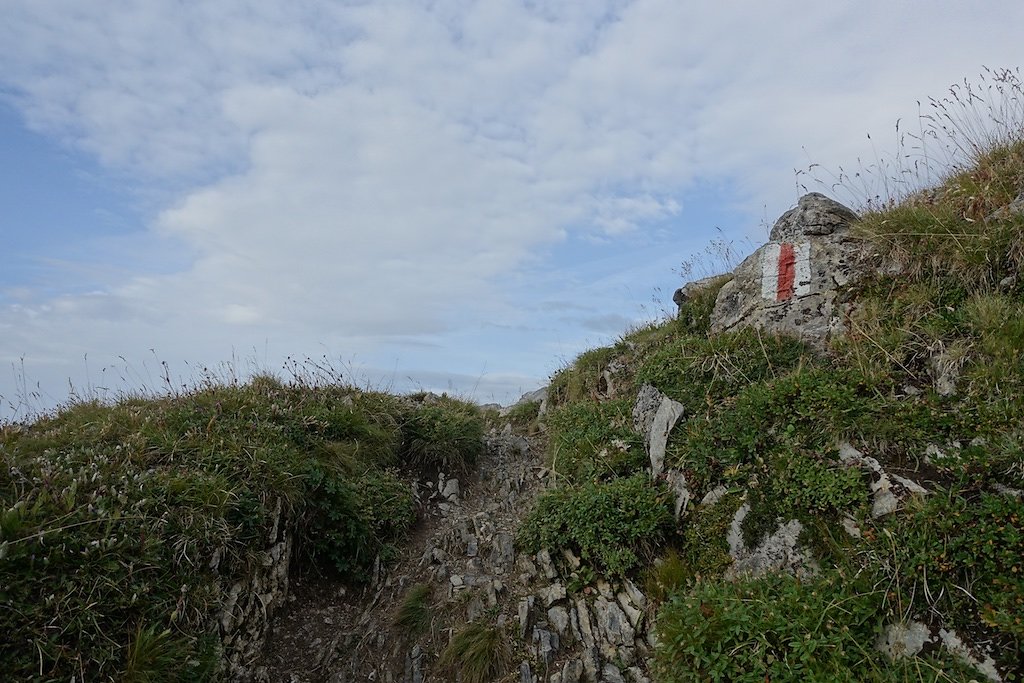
764 415
111 514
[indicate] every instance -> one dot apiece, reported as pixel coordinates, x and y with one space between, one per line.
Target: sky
439 195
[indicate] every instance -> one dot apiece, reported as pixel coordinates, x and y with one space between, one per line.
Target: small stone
456 580
546 565
558 618
850 526
451 490
903 640
714 495
612 674
552 594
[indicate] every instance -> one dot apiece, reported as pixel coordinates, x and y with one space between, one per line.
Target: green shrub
523 414
970 549
806 410
612 525
447 435
594 440
112 517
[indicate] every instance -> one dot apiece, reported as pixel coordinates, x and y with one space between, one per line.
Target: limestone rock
888 490
903 640
792 284
654 416
677 484
691 289
779 551
612 674
558 619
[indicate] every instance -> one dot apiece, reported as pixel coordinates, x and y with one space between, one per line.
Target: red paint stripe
787 272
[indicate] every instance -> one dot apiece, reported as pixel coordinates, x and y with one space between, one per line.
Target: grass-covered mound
122 525
929 381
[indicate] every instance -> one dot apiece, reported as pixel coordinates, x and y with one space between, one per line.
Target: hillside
813 472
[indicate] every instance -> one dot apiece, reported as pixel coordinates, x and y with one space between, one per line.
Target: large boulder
792 284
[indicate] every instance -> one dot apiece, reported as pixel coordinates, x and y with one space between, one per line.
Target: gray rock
634 593
572 671
636 675
545 645
614 626
591 663
814 215
714 495
984 665
612 674
546 565
779 551
558 619
526 615
677 483
691 289
654 416
552 594
903 640
792 284
887 490
525 673
503 552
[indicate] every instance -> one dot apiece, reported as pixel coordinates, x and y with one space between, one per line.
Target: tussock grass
415 612
477 654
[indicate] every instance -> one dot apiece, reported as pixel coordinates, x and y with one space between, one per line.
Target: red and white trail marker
785 270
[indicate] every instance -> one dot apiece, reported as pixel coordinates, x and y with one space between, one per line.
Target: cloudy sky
438 194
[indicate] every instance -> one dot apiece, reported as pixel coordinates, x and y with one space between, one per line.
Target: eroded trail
461 556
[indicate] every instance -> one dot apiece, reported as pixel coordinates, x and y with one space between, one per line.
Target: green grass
779 628
477 654
589 441
111 515
416 610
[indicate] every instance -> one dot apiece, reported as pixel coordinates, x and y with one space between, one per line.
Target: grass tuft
477 654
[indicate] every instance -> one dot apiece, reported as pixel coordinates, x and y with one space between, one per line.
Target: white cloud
376 176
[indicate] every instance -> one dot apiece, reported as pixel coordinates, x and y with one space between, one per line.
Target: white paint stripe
802 282
770 270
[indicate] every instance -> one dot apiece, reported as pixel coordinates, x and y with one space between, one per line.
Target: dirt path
462 548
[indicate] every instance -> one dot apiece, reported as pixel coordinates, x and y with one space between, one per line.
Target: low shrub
119 524
580 379
447 435
612 525
523 414
779 628
594 440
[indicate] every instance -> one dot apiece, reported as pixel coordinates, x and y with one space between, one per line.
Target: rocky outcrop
654 416
792 285
245 617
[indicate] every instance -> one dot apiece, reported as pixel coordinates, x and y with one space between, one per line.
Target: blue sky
445 195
